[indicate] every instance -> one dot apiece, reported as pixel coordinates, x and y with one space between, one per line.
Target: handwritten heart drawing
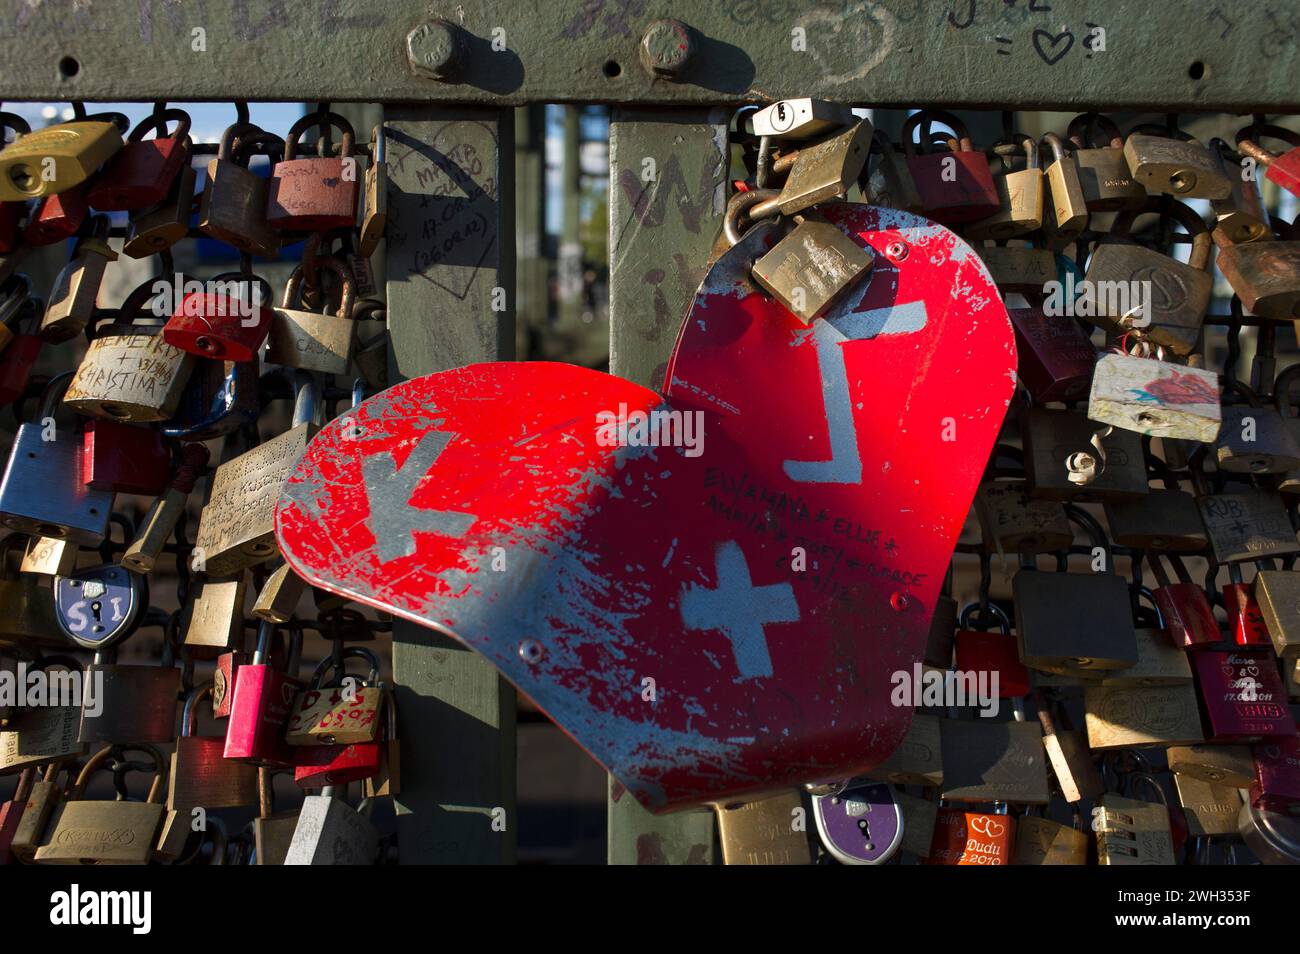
1046 45
987 826
715 618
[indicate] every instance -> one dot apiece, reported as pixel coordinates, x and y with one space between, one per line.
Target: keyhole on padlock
865 827
95 608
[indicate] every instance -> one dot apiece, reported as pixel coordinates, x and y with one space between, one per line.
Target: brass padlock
818 172
994 761
1248 525
1241 217
1042 841
1119 717
215 620
1228 765
918 760
279 595
1210 809
1013 522
1162 520
71 301
55 159
311 341
1072 621
1254 439
48 556
1174 166
1108 186
237 526
46 733
1142 393
27 618
1263 273
138 702
375 217
1065 209
123 833
1020 195
272 831
233 205
1290 482
129 373
1131 831
1278 593
812 267
1160 663
1022 269
1053 439
765 832
1128 287
157 227
200 775
47 794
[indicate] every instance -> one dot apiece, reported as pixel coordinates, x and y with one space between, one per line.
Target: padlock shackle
97 760
339 664
157 122
1081 128
378 145
969 610
1248 141
930 116
320 121
190 717
1183 214
347 291
736 222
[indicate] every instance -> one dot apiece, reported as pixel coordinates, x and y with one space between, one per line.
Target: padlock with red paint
317 194
24 347
125 458
319 765
1054 358
1189 619
1245 621
227 321
263 700
56 218
954 186
1242 696
971 838
142 173
1282 168
1277 775
985 651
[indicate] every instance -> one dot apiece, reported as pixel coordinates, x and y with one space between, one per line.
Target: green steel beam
1235 55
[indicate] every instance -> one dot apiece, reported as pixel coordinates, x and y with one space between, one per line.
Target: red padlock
1284 168
263 700
971 838
318 765
142 173
982 651
954 186
1242 696
125 458
228 321
1188 617
20 354
56 218
1277 776
11 215
317 194
1245 621
1054 358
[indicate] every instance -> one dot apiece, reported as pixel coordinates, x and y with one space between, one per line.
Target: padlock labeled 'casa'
312 341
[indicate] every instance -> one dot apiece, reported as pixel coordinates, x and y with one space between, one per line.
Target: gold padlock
214 622
1020 197
157 227
1174 164
1108 186
1241 217
232 208
809 269
55 159
1065 210
1119 717
306 339
72 299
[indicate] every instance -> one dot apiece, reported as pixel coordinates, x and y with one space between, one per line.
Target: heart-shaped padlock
712 590
862 825
99 605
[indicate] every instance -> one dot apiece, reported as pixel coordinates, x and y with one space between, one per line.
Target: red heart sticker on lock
709 590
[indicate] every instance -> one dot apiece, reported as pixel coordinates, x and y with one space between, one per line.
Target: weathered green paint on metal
667 193
450 243
637 837
530 218
664 216
569 265
1231 54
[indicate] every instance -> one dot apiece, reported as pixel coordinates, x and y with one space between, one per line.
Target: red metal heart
650 599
